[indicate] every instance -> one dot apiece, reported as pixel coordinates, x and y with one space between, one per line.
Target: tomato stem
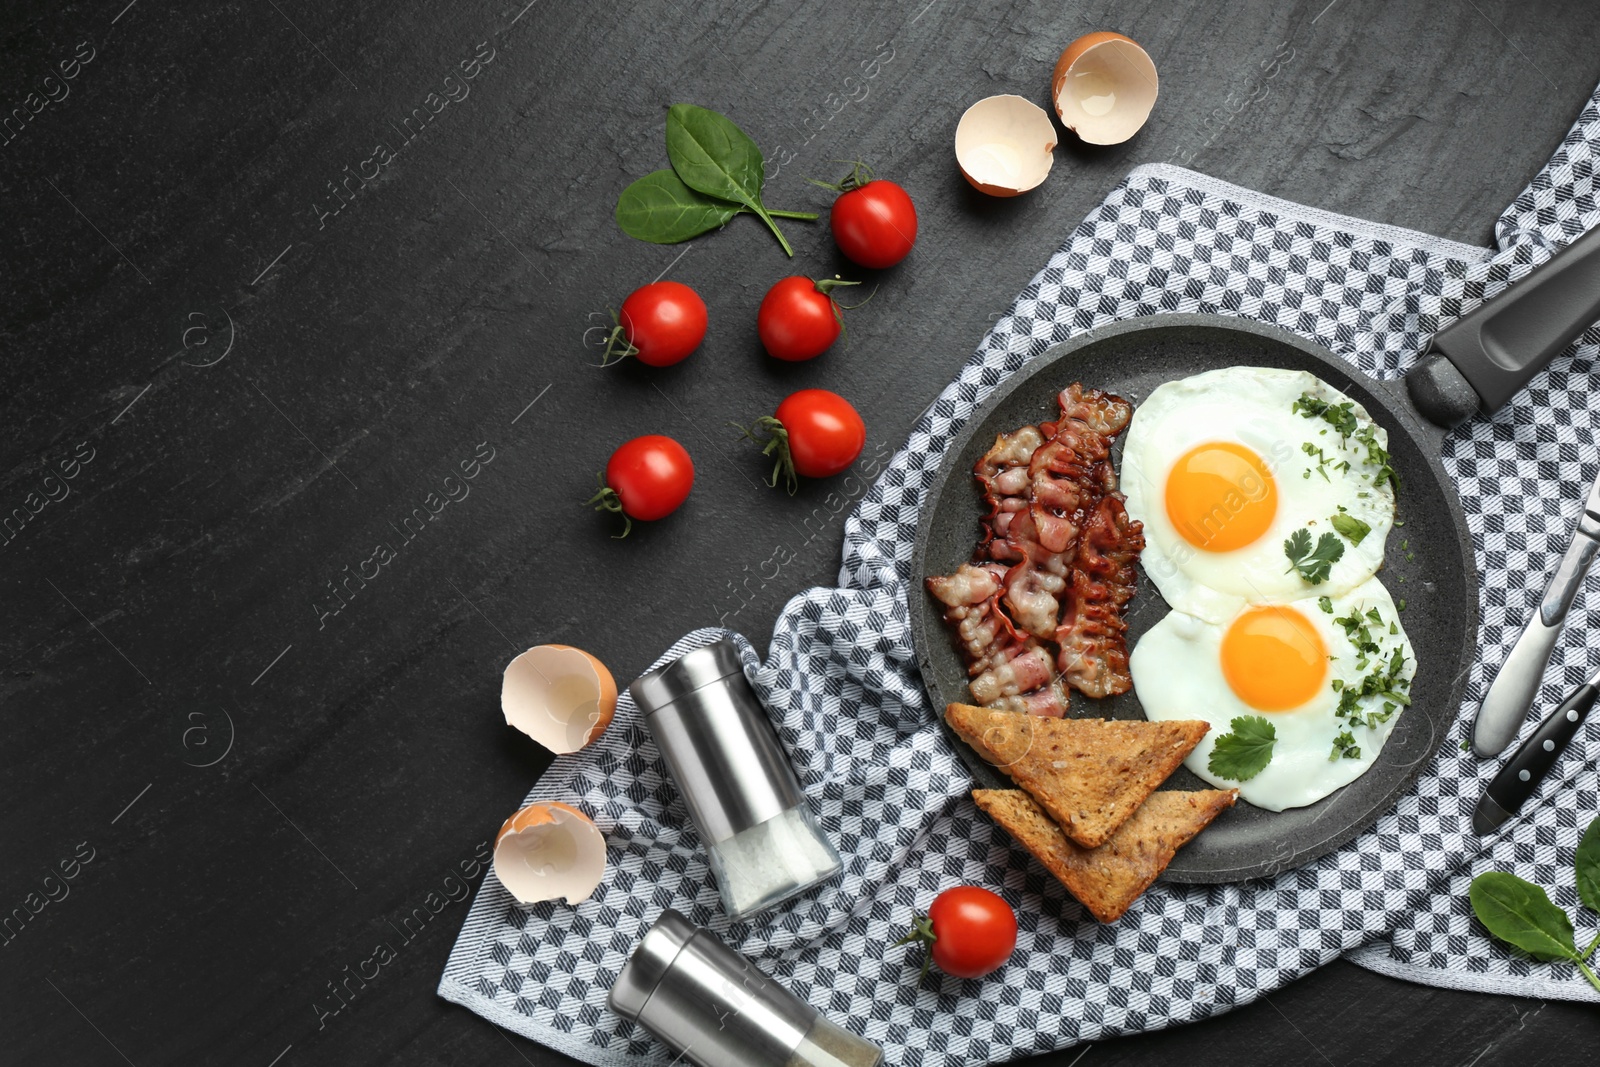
853 180
776 445
921 933
618 347
607 500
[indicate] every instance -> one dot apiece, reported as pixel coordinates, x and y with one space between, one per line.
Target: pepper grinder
717 1009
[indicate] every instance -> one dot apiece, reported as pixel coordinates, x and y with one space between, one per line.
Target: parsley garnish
1341 417
1351 528
1241 755
1314 564
1345 746
1326 604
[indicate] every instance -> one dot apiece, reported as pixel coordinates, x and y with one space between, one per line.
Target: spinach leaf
661 209
1588 863
1520 913
714 156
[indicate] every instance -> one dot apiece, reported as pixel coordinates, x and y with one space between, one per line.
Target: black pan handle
1479 361
1522 774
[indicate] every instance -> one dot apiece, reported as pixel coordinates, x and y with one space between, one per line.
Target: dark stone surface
175 209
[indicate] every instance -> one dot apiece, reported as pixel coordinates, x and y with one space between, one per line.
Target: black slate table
258 340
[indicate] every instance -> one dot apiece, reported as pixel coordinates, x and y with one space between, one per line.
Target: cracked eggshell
1005 145
1104 87
550 851
560 696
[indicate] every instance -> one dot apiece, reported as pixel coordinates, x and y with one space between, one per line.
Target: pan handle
1479 361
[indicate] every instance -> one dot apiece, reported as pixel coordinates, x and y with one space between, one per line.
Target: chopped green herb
1314 564
1400 604
1326 604
1351 528
1345 747
1242 754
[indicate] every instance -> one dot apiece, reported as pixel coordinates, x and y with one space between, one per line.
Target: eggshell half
1005 145
1104 87
550 851
560 696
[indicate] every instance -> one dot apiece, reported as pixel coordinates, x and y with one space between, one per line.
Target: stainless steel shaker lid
650 961
718 741
684 675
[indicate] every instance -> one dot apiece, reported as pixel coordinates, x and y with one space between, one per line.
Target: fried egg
1331 675
1224 467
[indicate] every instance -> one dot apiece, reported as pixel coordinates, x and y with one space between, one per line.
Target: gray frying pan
1474 365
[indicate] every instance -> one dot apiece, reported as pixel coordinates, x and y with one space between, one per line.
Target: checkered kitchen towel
842 686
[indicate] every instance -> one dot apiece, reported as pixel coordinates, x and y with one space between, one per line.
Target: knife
1521 775
1517 684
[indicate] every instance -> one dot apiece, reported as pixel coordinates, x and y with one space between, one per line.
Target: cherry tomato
826 433
799 318
660 324
646 478
875 224
970 932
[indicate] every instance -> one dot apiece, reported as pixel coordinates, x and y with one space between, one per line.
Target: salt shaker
717 1009
763 842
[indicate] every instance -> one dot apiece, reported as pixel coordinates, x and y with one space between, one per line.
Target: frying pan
1474 365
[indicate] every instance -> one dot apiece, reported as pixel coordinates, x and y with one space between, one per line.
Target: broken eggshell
1104 87
560 696
1005 145
549 851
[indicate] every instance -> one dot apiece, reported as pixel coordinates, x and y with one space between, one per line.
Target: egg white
1253 407
1177 674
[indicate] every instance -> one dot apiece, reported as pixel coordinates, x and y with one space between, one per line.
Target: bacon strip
1092 634
1003 473
1009 669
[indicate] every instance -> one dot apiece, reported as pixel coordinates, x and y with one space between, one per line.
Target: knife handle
1521 775
1514 689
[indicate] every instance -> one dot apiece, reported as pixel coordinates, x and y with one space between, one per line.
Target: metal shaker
762 840
717 1009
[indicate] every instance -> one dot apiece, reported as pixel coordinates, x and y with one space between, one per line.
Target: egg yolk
1273 658
1221 496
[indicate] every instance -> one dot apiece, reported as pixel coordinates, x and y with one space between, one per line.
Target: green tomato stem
607 500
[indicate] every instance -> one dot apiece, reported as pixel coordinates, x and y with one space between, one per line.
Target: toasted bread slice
1110 878
1089 774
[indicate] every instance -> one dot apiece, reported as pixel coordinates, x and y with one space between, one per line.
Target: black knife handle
1522 773
1491 352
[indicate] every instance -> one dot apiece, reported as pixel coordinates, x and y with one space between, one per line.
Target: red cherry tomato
799 318
826 433
661 323
875 224
971 930
646 478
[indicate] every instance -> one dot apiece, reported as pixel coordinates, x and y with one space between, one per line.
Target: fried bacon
1003 473
1094 648
1055 563
1009 669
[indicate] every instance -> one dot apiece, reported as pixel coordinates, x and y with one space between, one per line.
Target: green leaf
716 157
1241 755
661 209
1314 564
1351 528
1520 913
1587 862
